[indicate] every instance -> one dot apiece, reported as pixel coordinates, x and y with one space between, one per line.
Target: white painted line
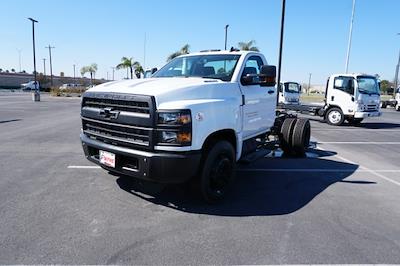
359 142
83 167
316 170
374 172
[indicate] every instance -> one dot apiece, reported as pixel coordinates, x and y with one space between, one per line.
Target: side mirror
153 70
249 79
300 89
268 76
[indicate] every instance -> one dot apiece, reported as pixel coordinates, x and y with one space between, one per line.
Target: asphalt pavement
339 205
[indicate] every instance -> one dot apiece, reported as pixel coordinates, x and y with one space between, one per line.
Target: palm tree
138 69
89 69
183 50
248 46
127 63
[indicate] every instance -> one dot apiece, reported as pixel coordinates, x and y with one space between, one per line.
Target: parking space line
360 142
316 170
83 167
362 167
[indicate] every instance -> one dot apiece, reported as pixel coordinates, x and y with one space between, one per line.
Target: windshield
292 87
368 85
205 66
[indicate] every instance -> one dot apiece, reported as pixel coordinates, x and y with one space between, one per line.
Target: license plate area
107 158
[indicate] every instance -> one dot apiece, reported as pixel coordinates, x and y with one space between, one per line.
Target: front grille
372 107
119 119
119 105
116 134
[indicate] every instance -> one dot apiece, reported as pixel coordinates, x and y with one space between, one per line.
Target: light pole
280 49
74 73
396 74
36 94
309 84
226 34
350 35
19 59
113 68
44 67
51 66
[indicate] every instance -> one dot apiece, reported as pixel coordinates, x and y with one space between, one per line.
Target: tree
127 63
184 50
1 70
386 86
138 69
89 69
248 46
12 70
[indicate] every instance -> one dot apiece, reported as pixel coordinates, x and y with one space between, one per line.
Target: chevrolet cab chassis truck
350 97
194 119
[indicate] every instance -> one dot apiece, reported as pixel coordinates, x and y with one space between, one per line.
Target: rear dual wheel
295 136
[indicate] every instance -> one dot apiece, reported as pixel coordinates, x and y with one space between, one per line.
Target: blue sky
316 33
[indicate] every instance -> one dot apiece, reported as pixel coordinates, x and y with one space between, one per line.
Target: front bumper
152 166
367 114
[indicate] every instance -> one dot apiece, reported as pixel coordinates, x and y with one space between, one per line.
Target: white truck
192 120
394 102
30 86
350 97
289 92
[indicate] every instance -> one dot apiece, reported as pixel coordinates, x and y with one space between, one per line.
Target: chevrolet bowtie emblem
108 113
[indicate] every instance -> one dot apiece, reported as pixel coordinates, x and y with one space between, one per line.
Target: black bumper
152 166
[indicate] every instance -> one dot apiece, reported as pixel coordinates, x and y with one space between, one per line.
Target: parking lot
341 204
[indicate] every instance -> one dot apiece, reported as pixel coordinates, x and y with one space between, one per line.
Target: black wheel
334 116
285 138
301 136
397 107
218 172
383 105
355 121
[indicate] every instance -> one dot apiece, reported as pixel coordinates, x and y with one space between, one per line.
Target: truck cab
289 92
351 97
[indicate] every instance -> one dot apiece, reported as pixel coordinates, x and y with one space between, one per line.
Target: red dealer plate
107 158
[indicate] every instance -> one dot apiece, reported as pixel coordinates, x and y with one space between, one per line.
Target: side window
252 66
345 84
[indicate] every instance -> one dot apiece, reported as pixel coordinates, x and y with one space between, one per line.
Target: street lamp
396 74
280 50
226 34
36 94
350 35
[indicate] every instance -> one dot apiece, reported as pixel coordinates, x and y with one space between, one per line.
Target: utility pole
113 68
309 84
44 67
226 34
144 52
19 59
107 75
396 74
74 72
51 66
280 50
36 94
350 35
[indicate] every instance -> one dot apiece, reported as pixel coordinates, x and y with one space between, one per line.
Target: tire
397 107
301 136
285 138
355 121
383 105
334 116
218 172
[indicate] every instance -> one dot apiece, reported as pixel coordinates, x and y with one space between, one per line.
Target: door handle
271 91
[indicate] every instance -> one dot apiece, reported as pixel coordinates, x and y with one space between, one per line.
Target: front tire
334 116
218 172
397 107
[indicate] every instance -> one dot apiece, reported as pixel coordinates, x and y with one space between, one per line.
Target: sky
96 31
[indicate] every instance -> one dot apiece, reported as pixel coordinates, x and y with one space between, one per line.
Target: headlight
174 118
174 128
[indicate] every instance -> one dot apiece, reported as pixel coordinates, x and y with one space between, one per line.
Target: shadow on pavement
11 120
260 189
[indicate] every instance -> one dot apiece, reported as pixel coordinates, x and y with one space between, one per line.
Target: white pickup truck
194 118
394 102
350 97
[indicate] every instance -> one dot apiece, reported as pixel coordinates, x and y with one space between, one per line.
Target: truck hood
169 89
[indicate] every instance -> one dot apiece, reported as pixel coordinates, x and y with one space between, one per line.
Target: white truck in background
350 97
192 120
30 86
394 102
289 92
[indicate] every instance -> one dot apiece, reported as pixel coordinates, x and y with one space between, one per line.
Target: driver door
259 102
